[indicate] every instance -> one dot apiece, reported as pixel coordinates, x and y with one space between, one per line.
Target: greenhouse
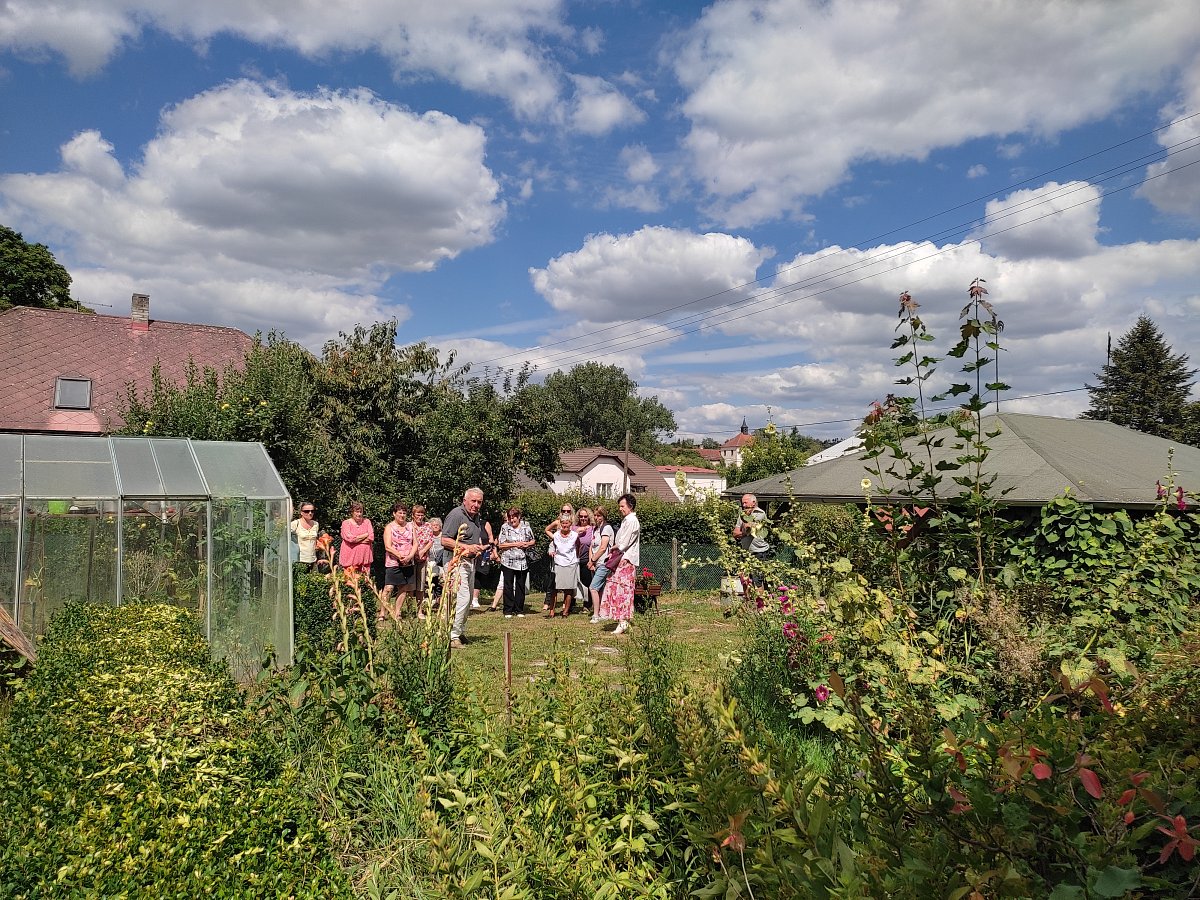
197 524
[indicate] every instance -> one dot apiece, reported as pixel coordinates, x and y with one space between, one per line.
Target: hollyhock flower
821 693
1162 491
1180 503
789 630
785 606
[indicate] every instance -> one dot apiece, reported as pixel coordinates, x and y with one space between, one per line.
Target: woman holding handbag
617 602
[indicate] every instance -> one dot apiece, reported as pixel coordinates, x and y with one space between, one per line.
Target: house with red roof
731 450
68 372
601 472
692 481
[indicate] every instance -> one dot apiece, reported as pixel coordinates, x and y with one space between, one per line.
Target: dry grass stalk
13 636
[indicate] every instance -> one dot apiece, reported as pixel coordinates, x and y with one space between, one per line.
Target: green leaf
1067 892
1115 881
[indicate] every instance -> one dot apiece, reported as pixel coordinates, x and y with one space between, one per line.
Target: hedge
129 767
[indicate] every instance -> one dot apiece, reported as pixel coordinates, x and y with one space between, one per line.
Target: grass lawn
698 625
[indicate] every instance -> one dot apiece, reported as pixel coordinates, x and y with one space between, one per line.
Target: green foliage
768 454
31 276
129 767
596 404
1144 386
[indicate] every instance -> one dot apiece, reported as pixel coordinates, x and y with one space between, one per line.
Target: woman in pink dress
617 602
358 542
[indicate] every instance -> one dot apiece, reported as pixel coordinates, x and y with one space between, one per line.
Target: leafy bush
129 767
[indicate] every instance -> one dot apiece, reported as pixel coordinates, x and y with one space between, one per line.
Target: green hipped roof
1038 457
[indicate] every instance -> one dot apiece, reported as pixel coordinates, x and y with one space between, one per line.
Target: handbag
613 559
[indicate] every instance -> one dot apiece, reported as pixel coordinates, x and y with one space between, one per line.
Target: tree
31 276
1143 386
597 403
768 454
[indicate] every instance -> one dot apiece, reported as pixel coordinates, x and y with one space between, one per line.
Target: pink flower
789 630
1162 491
758 603
785 607
822 693
1180 503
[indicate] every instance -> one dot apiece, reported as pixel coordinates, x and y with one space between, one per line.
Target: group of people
589 557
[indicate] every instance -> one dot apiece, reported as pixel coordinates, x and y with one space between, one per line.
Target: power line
858 245
860 418
755 305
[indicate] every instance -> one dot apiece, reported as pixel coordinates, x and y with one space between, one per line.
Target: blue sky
726 200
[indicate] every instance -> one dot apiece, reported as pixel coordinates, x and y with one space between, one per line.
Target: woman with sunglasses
306 530
583 527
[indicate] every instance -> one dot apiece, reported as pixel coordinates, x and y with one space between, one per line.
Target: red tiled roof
39 345
738 440
710 455
690 470
641 472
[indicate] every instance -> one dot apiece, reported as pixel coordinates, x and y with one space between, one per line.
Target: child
565 544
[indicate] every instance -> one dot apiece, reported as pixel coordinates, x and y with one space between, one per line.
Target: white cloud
639 164
977 171
1173 185
307 202
483 45
895 81
631 275
598 107
1055 220
638 197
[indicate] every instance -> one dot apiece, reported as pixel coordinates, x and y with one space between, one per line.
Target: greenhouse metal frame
199 524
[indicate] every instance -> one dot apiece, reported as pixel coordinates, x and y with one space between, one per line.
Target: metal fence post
674 564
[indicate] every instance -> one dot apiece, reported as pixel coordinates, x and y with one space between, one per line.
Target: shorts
400 576
566 577
599 578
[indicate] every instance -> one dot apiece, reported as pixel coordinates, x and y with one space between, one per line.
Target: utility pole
625 487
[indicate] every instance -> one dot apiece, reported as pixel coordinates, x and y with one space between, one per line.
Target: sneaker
456 644
622 628
508 615
595 620
475 604
520 615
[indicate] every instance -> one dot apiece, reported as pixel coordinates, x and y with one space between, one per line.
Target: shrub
129 767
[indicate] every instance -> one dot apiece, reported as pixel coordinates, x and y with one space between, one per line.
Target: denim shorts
599 578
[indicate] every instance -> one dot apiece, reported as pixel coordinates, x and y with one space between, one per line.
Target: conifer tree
1144 386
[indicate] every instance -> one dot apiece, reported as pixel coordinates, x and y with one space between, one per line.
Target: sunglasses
307 510
566 509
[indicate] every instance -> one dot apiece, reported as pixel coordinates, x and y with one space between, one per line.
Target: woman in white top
306 530
617 602
565 545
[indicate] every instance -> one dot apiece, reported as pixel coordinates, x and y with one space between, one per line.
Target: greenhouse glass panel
10 465
137 468
69 555
177 466
251 593
165 552
59 466
10 519
238 470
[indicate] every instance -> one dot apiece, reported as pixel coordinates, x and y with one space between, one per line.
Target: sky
726 200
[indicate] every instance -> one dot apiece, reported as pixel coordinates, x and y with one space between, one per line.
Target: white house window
604 489
72 393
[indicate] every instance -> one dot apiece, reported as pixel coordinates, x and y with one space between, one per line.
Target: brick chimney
139 314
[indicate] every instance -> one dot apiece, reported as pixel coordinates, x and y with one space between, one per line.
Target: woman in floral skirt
617 602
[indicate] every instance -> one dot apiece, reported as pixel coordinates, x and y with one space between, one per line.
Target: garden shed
197 524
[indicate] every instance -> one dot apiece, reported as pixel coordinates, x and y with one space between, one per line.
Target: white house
697 481
731 450
599 471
